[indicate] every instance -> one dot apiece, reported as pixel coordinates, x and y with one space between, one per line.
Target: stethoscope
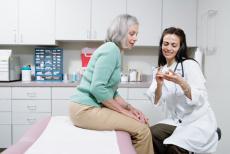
182 71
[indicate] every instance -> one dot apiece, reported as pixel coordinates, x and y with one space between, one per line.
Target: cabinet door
8 26
5 135
27 118
60 107
183 14
103 12
5 92
123 92
137 93
18 131
62 92
31 106
60 100
72 19
36 22
148 13
31 93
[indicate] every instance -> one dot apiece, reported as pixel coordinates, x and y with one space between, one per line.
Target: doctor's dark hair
182 52
118 30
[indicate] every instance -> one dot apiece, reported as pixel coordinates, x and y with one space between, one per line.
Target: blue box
48 64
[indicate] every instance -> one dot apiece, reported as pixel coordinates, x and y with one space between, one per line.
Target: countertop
144 84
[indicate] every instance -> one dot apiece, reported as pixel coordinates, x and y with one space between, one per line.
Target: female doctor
178 83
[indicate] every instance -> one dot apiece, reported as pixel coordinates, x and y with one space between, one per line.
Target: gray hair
117 31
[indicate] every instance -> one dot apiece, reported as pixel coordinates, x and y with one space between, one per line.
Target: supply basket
48 64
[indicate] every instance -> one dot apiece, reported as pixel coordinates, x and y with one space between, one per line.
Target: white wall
216 65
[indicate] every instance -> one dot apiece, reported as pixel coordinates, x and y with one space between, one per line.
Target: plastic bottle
26 73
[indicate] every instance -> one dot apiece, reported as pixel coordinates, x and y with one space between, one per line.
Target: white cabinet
183 14
85 19
148 13
29 104
103 12
61 99
5 117
123 92
73 19
8 26
27 22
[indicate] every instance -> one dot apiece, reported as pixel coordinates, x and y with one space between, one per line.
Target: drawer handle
32 107
31 120
31 94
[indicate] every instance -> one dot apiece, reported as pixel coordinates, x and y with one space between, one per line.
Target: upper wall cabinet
72 19
85 19
27 22
148 12
183 14
103 12
8 26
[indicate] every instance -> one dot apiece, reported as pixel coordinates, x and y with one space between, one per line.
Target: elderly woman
96 103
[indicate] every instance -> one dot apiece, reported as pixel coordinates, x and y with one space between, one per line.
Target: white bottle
65 79
133 75
26 73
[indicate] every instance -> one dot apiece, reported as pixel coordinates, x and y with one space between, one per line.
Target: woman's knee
144 131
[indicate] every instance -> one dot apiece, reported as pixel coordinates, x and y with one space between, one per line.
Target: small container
26 73
65 79
132 75
73 77
124 78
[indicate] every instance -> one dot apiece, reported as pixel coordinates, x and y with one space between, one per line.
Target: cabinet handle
31 120
32 107
31 94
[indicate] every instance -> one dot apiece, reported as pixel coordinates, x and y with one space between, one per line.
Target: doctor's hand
159 76
173 77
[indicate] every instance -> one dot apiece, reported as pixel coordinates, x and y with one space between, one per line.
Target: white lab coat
197 130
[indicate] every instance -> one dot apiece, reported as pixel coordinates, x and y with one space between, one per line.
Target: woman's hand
173 77
131 115
141 117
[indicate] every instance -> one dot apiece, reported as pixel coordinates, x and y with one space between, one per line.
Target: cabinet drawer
5 105
137 93
5 93
60 107
31 106
5 134
18 131
62 92
31 93
27 118
5 117
123 92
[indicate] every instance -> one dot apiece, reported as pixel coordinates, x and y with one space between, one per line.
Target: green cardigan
101 77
